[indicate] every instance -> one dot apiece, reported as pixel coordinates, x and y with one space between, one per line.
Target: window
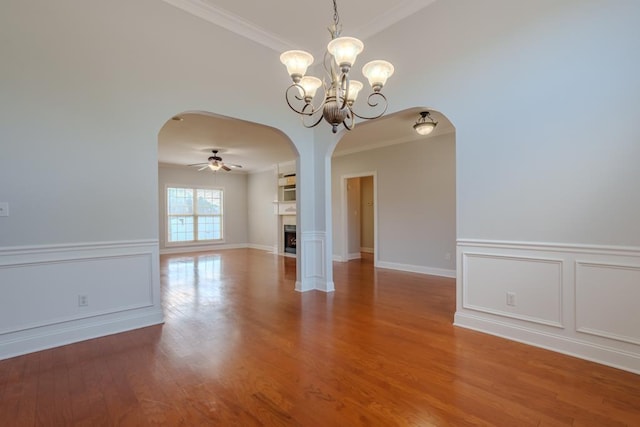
194 219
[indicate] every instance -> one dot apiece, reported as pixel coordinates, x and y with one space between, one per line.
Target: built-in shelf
287 193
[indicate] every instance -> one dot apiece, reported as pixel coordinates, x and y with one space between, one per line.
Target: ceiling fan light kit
341 92
215 163
425 124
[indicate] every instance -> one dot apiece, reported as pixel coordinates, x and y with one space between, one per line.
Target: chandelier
340 92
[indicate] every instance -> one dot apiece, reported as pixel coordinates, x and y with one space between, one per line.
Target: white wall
544 96
85 88
235 217
263 222
415 203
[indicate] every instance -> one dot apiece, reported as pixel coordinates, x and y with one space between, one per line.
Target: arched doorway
249 157
414 192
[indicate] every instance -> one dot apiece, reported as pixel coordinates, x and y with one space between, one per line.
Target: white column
314 260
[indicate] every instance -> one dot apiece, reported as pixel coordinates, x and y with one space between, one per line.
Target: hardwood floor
241 348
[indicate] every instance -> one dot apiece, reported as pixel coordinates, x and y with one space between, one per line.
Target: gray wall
234 186
366 209
263 222
416 201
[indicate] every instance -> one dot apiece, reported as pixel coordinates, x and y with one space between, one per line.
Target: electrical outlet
511 299
447 256
83 300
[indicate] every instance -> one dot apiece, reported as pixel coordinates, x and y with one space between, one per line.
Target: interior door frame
345 213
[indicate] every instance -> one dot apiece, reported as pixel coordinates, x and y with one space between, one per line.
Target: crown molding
391 16
233 23
388 142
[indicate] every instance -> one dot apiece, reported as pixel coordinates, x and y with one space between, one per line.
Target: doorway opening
359 215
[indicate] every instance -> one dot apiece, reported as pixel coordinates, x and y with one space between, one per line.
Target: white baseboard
45 338
355 255
433 271
337 258
604 355
266 248
201 248
366 250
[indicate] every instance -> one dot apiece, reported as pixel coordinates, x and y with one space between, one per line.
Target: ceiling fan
215 163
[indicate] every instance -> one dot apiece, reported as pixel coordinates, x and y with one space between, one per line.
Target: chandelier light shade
425 124
345 50
340 92
310 86
377 72
297 62
354 89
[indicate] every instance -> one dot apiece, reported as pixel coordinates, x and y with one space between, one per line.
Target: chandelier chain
336 17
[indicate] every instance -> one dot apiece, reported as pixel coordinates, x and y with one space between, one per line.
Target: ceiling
257 147
296 24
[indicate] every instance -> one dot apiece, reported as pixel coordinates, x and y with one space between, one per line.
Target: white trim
433 271
195 215
201 248
387 143
8 251
337 258
595 331
390 16
266 248
355 255
602 354
234 23
557 322
607 341
65 325
238 25
36 340
553 247
313 262
367 250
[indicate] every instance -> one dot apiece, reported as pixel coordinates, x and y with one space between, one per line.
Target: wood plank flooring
241 348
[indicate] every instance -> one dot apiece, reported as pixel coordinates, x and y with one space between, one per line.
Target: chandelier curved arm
351 119
373 105
293 92
312 124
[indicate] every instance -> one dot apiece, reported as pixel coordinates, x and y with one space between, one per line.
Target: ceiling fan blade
231 165
225 167
203 168
198 164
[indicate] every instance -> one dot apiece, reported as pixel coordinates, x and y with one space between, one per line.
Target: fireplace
290 239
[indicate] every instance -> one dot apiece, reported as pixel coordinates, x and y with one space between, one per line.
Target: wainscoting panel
526 288
575 299
42 291
313 253
47 293
605 295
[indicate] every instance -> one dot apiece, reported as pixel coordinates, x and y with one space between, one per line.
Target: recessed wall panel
517 287
607 298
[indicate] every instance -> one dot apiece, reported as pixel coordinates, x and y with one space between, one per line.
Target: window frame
194 215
